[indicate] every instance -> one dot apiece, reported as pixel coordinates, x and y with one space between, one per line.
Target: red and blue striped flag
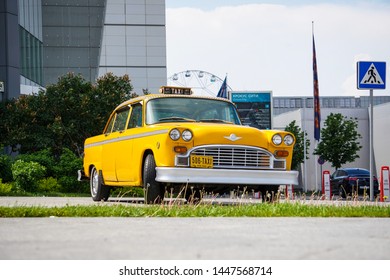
317 111
223 90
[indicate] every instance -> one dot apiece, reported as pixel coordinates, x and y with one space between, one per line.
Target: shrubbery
41 172
5 188
60 117
5 168
27 174
48 185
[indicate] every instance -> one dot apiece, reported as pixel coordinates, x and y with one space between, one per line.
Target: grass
286 209
303 205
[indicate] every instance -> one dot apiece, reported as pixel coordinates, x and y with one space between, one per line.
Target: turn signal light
180 149
281 153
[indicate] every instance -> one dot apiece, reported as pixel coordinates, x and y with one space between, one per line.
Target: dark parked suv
348 181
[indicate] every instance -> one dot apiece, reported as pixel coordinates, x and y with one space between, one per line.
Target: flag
317 113
223 90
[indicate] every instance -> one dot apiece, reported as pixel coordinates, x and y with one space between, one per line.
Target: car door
336 180
112 139
126 164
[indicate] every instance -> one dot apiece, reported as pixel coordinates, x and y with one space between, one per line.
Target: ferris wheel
201 82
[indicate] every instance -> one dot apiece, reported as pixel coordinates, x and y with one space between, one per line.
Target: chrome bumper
226 176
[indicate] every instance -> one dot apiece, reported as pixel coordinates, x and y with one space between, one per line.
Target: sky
267 45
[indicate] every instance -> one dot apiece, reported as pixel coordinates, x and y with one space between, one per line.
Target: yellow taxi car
185 143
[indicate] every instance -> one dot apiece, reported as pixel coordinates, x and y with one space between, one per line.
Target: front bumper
226 176
81 175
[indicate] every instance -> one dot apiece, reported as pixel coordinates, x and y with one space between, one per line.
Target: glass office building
41 40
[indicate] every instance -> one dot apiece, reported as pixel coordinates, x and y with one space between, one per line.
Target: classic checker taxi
185 144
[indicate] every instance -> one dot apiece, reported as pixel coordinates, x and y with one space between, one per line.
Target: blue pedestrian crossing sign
371 75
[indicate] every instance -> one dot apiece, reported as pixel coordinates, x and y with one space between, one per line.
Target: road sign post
371 75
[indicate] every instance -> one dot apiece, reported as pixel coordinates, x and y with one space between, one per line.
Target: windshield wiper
214 121
176 119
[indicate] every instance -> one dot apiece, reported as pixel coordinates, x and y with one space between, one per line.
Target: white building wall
305 119
134 42
381 136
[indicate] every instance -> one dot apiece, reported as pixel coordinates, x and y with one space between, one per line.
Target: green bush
63 168
44 158
5 168
5 188
27 174
48 184
65 171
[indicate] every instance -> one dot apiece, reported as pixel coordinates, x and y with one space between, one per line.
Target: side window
121 119
110 125
136 116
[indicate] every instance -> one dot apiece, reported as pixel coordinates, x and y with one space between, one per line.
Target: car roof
156 96
353 170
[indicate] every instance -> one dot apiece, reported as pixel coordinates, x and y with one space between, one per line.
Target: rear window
358 172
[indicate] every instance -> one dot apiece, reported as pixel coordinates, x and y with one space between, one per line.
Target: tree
299 148
339 140
63 115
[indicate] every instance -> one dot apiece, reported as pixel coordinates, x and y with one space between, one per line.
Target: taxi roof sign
175 90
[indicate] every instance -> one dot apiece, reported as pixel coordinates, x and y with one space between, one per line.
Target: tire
99 191
153 190
269 193
342 193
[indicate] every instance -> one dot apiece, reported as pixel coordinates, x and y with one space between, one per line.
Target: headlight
277 139
174 134
186 135
288 140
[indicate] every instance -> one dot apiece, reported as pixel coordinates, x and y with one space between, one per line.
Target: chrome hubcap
94 182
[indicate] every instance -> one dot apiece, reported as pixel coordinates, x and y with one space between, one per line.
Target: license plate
201 161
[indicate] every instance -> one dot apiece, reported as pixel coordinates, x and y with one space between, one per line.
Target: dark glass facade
9 50
31 46
72 35
30 57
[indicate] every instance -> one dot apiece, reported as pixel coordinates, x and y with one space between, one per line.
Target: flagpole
315 147
317 115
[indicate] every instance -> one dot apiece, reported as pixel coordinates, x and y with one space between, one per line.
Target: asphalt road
189 238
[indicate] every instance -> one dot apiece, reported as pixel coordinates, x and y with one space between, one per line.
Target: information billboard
254 108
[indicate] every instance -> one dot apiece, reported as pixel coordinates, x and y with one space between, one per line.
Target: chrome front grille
244 157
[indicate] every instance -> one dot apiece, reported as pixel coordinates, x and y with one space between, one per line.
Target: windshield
178 109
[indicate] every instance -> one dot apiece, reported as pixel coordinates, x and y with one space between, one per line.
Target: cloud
269 47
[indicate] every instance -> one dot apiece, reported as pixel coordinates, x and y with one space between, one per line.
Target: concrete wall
381 136
305 119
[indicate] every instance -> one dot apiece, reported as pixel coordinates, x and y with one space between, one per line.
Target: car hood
229 134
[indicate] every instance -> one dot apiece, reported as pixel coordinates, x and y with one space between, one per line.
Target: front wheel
342 192
99 191
154 192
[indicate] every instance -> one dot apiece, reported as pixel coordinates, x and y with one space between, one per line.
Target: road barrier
384 186
326 192
289 191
